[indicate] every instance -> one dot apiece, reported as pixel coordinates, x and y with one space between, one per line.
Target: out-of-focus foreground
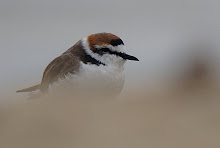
173 118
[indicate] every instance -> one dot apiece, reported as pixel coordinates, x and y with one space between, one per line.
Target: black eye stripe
105 49
116 42
102 51
124 56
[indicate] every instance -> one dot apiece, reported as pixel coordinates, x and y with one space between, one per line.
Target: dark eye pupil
102 51
105 49
98 51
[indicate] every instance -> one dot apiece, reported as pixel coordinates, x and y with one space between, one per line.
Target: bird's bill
129 57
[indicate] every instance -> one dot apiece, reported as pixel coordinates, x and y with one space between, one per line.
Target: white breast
107 80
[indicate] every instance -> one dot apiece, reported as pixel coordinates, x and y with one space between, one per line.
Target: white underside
107 80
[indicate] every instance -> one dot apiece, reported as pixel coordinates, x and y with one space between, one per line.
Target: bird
94 63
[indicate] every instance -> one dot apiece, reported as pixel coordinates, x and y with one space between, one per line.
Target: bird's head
106 48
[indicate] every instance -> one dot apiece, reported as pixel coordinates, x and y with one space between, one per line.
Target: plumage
98 55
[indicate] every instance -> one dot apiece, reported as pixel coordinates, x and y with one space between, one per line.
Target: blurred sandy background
170 98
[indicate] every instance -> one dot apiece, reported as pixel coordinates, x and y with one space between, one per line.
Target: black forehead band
116 42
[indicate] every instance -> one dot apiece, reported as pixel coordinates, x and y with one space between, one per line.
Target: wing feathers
30 89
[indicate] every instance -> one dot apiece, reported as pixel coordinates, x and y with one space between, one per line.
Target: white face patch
108 59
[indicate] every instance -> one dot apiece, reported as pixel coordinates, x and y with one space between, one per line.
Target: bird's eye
101 51
104 49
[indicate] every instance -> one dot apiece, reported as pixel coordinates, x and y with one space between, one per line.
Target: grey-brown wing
58 68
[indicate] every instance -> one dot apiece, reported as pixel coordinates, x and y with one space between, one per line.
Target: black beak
128 57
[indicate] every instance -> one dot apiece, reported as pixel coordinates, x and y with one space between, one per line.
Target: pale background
160 33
